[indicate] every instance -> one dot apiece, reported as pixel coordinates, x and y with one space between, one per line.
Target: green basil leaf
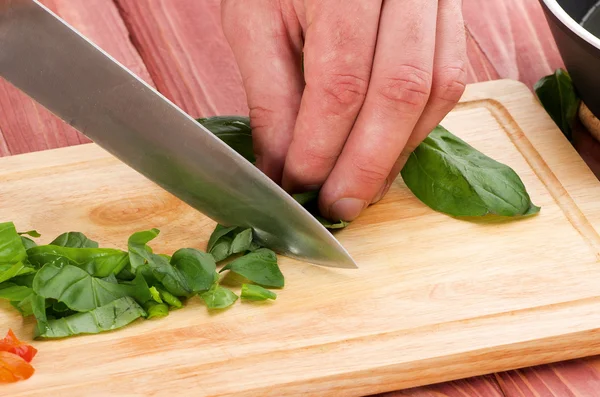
155 295
98 262
28 243
111 316
139 251
80 291
242 240
155 309
190 271
227 241
38 309
169 299
559 98
11 245
219 297
159 269
74 240
60 307
32 233
259 266
198 268
14 292
222 249
24 306
452 177
8 272
253 292
217 234
235 131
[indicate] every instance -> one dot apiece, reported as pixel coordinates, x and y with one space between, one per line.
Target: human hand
379 75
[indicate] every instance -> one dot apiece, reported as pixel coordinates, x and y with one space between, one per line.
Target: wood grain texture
514 36
26 126
427 313
187 54
481 386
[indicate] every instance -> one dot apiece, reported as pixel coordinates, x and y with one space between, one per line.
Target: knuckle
451 83
343 93
260 117
408 89
370 173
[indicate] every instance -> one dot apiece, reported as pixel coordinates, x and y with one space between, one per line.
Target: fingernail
347 209
382 192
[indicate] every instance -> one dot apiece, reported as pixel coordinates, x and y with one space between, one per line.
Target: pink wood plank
483 386
26 126
188 57
514 36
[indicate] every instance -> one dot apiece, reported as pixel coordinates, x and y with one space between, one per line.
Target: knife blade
51 62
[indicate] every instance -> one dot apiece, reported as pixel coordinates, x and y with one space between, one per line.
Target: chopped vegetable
227 241
111 316
155 309
12 250
74 240
81 292
219 297
12 344
259 266
14 368
253 292
98 262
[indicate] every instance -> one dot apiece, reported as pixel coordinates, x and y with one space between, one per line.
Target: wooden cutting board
435 298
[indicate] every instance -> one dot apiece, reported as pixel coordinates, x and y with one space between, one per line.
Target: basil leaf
38 309
139 251
80 291
7 271
60 307
32 233
227 241
197 268
169 299
11 246
27 242
217 234
111 316
155 295
235 131
14 292
155 309
259 266
98 262
189 272
557 95
219 297
74 240
253 292
24 306
452 177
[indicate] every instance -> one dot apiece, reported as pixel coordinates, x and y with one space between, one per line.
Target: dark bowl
579 49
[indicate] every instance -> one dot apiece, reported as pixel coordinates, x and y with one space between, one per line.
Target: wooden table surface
172 44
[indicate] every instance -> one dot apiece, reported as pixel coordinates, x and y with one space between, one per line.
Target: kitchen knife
66 73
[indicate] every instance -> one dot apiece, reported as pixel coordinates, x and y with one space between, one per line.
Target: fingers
398 93
449 75
266 40
338 55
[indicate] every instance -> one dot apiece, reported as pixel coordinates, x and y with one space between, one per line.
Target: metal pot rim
570 23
